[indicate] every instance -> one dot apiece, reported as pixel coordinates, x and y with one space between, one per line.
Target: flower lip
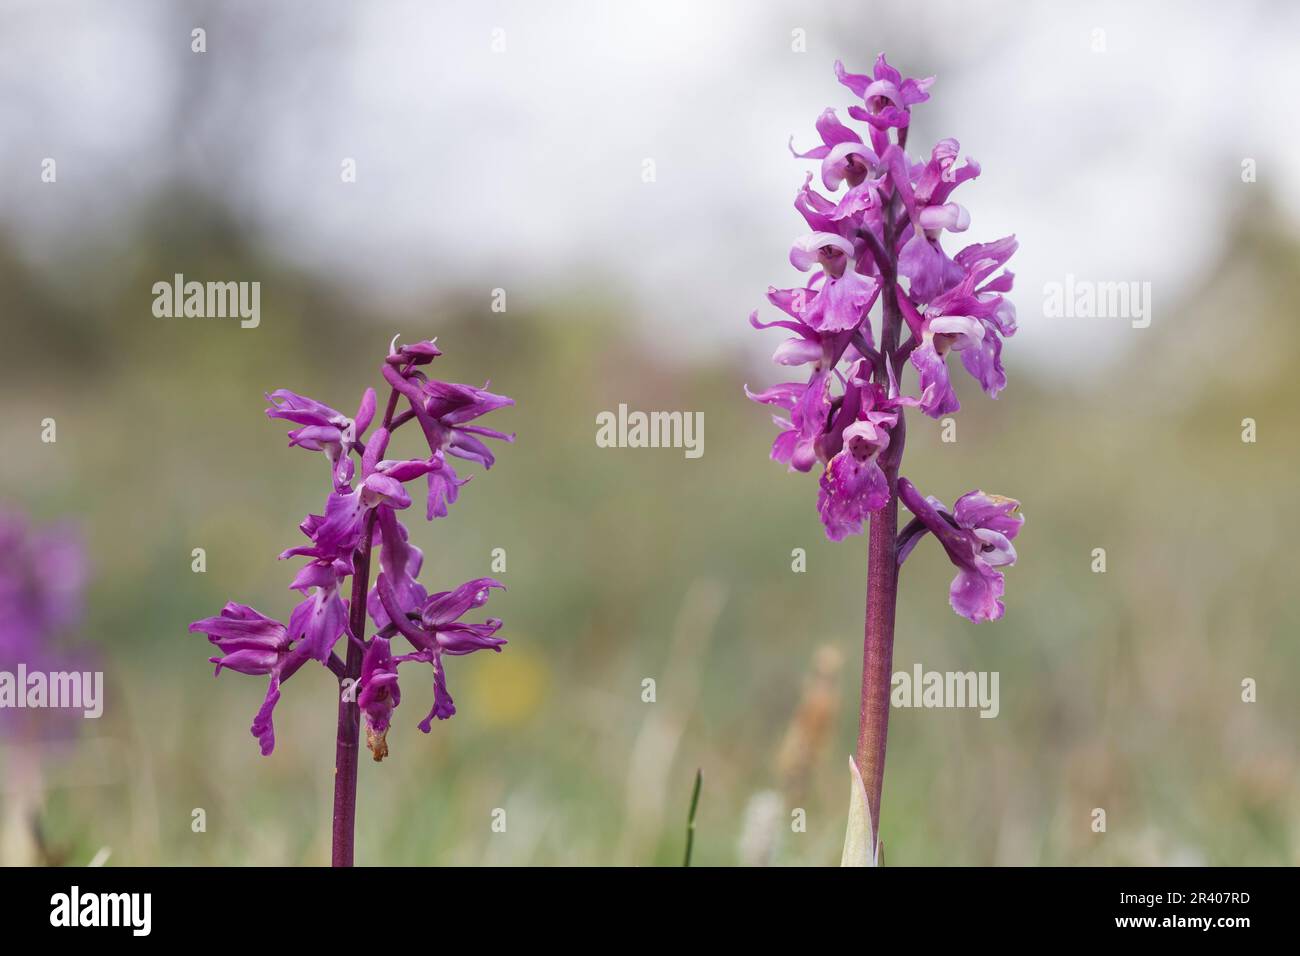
865 441
827 249
798 351
880 94
950 216
849 162
993 548
956 332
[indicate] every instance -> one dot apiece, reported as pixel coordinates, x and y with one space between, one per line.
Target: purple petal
975 509
937 396
319 621
976 594
459 639
843 303
448 606
984 362
443 706
383 489
469 448
444 487
263 728
365 411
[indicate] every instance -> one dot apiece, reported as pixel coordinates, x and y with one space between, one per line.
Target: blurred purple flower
43 573
42 577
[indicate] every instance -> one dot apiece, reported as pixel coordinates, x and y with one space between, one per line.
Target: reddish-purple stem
882 558
878 648
348 737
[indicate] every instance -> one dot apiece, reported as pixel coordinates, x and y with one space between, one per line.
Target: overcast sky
523 168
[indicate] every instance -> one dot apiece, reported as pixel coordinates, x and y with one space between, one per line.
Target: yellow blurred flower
508 688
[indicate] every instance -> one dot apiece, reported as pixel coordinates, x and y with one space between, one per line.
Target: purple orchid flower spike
361 510
877 245
42 577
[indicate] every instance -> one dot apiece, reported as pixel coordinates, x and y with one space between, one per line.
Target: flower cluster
42 581
361 512
42 577
878 238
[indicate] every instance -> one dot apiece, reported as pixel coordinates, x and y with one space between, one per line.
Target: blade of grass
690 819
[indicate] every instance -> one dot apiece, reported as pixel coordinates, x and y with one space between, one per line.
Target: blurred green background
1119 691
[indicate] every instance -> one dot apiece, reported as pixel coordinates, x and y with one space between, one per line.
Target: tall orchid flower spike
361 511
877 245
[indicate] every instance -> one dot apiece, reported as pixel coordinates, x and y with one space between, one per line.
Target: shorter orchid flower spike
361 512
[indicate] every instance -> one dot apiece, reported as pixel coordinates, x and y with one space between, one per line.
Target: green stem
690 819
